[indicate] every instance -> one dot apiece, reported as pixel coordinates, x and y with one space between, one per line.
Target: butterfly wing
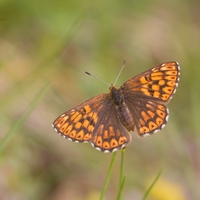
94 120
146 94
79 123
110 135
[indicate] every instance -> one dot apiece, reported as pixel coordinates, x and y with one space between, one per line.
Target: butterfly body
122 110
138 105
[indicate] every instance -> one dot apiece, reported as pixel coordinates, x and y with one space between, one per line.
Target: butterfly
138 105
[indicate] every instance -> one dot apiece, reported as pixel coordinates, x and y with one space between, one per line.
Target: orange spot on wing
68 130
122 140
99 141
174 73
171 83
78 125
143 80
113 143
80 135
145 91
141 122
87 108
63 127
156 94
78 117
90 128
168 90
157 73
106 136
85 123
161 82
152 114
106 145
60 121
159 121
72 134
171 78
74 115
156 78
161 113
165 97
111 130
145 116
87 137
143 130
161 107
95 117
155 87
152 125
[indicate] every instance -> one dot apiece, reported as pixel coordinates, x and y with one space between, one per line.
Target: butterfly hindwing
109 134
149 116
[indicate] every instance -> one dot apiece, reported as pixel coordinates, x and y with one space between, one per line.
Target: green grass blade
21 120
122 164
108 176
122 177
151 186
119 196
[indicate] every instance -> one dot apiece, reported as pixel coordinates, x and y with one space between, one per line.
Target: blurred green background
56 42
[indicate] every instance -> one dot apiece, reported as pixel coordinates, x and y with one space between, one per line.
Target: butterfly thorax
124 114
116 95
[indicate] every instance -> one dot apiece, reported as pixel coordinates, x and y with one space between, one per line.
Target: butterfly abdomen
122 110
125 116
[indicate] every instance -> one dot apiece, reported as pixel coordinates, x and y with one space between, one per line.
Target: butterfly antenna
120 71
97 78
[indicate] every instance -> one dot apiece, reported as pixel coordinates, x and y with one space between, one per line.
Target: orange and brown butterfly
138 105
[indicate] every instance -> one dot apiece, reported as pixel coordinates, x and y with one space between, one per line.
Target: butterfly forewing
78 123
158 83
